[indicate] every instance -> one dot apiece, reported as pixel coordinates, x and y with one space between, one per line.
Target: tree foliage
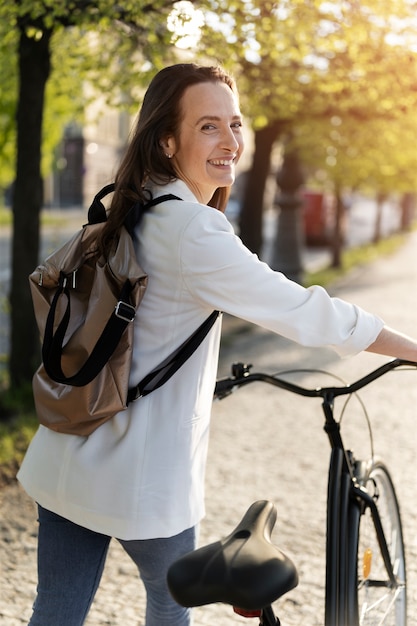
108 45
8 100
114 56
341 77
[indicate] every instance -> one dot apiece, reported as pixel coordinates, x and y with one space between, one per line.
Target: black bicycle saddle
244 569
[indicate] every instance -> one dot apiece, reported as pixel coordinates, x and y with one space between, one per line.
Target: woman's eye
210 126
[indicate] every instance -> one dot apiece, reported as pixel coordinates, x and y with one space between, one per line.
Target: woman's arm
395 344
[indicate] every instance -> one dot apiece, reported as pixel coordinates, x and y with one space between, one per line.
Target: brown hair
144 160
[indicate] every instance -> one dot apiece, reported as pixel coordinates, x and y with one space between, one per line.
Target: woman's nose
230 141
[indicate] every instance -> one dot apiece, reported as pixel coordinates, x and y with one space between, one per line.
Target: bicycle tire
371 599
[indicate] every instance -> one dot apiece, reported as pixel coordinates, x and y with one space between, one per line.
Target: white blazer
141 475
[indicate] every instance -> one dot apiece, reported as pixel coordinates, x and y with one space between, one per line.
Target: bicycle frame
346 483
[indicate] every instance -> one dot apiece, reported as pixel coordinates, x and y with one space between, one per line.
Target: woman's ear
168 146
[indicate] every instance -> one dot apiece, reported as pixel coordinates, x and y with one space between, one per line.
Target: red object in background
314 218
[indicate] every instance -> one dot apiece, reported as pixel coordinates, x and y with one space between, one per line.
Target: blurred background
328 91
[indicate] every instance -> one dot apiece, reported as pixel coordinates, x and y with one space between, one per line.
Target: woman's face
209 141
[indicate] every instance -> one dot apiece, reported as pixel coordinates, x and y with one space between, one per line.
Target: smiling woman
139 477
210 140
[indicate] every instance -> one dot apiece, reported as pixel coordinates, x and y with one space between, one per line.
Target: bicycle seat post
269 618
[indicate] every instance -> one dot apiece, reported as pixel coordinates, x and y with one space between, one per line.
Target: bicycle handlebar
241 376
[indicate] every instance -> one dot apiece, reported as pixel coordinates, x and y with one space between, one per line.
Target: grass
15 437
17 429
21 422
353 258
47 219
5 217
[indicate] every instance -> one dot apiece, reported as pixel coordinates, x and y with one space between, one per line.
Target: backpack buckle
125 311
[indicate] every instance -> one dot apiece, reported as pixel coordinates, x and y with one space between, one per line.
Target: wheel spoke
381 603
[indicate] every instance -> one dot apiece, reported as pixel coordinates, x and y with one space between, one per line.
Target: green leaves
111 48
296 62
306 64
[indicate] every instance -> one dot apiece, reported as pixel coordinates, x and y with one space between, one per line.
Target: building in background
88 157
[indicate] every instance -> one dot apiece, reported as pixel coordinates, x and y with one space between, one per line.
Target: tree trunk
251 213
380 199
34 68
408 209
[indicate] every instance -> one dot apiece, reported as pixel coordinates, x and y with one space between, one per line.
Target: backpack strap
155 201
53 343
137 210
97 211
173 362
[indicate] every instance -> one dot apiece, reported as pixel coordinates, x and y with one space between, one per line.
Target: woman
140 476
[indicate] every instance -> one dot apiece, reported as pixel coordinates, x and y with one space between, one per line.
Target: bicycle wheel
374 598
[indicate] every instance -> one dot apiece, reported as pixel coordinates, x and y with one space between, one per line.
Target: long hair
144 160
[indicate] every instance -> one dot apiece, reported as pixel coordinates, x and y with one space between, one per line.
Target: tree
34 68
64 100
250 220
373 155
7 104
299 65
143 35
304 64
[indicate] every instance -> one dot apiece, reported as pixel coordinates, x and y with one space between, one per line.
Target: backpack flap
77 289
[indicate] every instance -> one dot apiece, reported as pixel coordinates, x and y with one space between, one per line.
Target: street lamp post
289 238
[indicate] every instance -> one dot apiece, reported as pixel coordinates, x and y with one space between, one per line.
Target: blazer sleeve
222 273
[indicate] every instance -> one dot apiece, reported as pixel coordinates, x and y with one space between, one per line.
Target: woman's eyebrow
215 118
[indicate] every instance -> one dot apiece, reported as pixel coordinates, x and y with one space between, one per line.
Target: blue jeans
70 564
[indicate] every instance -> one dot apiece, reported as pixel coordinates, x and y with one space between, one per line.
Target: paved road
265 444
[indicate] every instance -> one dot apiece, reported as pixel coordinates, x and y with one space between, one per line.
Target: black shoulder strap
97 211
173 362
155 201
138 209
53 342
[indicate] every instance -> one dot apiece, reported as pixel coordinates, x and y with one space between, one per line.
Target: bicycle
365 581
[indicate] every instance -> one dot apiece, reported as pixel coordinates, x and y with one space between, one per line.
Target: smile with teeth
221 161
